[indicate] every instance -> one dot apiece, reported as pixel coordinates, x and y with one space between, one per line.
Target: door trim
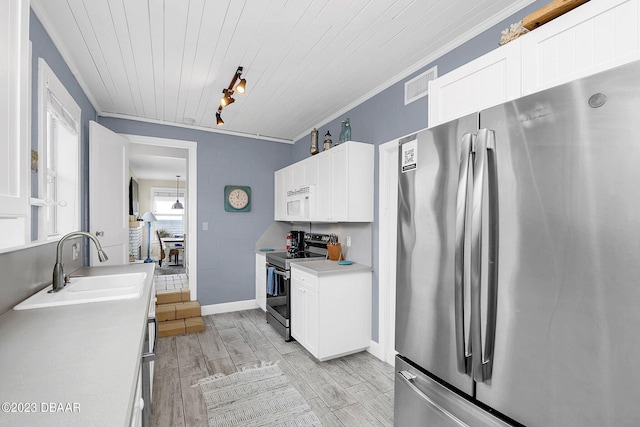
192 191
388 238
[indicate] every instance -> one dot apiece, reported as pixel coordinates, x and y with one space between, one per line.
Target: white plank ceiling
305 61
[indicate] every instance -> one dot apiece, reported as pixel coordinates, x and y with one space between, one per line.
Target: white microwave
300 203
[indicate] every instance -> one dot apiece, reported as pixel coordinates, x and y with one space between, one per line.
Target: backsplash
361 233
26 271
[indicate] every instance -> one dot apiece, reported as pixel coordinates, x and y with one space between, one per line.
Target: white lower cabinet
138 404
331 314
261 281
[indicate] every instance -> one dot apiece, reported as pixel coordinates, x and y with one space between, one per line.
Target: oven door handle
284 273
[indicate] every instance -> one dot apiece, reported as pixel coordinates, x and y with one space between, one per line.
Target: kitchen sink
87 289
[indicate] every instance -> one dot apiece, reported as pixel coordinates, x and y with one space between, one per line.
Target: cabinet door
297 175
279 196
340 177
591 38
261 281
14 101
312 322
324 188
490 80
311 171
298 319
360 190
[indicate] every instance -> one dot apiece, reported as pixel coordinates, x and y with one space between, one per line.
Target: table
173 243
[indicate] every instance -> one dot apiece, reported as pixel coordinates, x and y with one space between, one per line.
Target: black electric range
283 260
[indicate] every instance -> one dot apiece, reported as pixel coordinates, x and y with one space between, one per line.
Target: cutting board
549 12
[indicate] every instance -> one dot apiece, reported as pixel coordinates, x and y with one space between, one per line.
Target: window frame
171 191
48 83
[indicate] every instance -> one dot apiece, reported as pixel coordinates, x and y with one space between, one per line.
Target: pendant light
177 204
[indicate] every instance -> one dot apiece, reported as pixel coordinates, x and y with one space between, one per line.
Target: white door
108 186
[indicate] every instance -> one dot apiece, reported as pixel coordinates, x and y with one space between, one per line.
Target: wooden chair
162 254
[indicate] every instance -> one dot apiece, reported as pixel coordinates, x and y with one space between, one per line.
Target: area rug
255 397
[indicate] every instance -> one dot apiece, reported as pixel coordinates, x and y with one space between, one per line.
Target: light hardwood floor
355 390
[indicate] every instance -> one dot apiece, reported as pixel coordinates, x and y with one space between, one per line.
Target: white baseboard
376 350
228 307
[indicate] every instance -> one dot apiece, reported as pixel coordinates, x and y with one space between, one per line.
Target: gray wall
226 252
384 117
28 270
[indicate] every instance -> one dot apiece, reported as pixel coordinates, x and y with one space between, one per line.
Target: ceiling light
242 86
227 97
177 204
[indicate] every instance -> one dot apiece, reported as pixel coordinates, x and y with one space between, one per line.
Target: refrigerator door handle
463 353
409 379
485 158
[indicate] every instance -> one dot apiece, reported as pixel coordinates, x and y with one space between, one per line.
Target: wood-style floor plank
372 370
221 366
326 416
238 349
191 361
355 390
195 410
211 344
167 409
166 355
356 416
374 402
331 393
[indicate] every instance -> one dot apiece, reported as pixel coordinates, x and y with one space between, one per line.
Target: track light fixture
227 97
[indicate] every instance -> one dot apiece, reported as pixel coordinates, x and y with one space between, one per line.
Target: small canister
327 141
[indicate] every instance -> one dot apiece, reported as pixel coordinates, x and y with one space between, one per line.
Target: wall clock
237 198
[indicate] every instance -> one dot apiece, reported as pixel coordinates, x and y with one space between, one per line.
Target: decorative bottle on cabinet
314 142
347 130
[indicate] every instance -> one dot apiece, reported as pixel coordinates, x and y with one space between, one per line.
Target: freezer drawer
420 401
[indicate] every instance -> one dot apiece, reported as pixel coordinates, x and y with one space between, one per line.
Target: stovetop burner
282 259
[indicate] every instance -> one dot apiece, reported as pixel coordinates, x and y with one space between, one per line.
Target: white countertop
81 358
323 267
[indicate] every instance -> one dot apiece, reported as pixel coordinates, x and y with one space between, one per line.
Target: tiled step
176 314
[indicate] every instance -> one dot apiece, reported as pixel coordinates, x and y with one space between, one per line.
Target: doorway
160 161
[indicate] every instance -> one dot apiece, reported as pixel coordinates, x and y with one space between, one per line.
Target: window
56 197
170 220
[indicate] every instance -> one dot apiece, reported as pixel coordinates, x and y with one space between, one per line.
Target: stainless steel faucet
58 270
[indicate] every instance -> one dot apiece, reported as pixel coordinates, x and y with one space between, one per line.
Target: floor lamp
149 217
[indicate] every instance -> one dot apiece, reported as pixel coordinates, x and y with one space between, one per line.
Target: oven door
278 294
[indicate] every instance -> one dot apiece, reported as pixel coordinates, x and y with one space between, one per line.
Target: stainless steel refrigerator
518 276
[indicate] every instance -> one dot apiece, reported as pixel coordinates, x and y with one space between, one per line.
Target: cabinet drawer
303 277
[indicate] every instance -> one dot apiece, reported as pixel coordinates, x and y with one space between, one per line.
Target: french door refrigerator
518 276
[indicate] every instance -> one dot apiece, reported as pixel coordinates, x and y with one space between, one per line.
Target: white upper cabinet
342 181
490 80
14 122
280 194
596 36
